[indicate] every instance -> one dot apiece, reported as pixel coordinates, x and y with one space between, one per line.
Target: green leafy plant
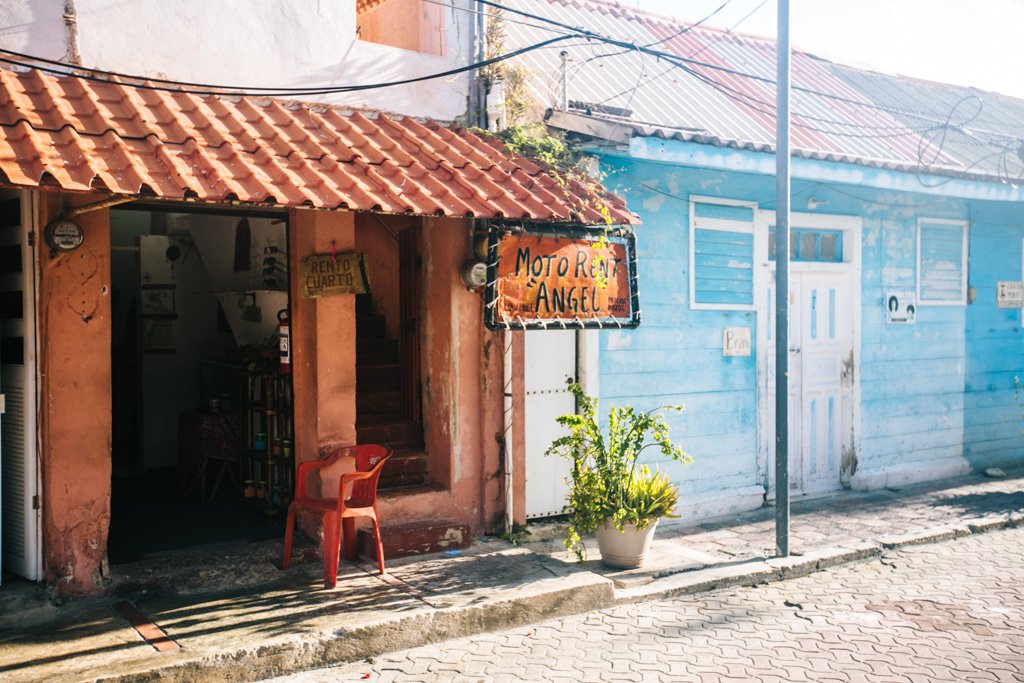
535 142
607 483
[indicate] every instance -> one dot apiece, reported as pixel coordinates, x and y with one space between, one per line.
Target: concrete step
405 540
377 403
370 326
386 376
389 431
376 351
404 469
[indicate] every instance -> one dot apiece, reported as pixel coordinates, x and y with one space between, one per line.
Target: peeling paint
654 202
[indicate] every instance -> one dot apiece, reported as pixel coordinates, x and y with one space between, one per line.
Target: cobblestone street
951 611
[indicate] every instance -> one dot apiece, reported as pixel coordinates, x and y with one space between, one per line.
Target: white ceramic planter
624 549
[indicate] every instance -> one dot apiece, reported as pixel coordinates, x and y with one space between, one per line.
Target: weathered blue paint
937 391
992 414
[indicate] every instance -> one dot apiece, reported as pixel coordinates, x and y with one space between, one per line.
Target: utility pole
782 284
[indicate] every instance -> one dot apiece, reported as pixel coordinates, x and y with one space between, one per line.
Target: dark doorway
201 411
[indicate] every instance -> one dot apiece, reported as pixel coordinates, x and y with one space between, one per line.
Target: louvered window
941 262
721 254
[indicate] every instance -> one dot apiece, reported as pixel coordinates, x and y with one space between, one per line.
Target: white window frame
724 225
965 260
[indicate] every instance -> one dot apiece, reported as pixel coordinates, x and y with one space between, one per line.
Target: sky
965 42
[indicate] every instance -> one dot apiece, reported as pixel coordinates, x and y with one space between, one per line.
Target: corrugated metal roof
727 94
80 135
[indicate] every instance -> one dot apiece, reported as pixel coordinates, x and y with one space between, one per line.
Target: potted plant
610 492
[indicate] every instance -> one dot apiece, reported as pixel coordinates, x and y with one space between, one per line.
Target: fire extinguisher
284 341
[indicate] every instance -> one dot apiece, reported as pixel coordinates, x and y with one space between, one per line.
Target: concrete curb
583 593
759 571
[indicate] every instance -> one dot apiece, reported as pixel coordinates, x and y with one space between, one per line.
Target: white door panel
550 363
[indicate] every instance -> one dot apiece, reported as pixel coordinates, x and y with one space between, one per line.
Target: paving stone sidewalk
843 526
237 617
919 614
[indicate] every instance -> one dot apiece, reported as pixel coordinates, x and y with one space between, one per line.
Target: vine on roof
519 104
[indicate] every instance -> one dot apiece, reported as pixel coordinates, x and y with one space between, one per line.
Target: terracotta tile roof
80 135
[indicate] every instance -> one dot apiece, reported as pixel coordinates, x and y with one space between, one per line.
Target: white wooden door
825 342
820 345
550 363
18 463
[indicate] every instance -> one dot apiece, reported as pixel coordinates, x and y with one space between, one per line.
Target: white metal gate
550 363
18 461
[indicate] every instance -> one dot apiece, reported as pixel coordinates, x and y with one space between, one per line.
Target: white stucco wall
268 43
33 25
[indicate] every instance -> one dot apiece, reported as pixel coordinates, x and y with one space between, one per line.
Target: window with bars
811 244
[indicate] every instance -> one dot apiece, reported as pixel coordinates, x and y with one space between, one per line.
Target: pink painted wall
462 411
324 340
377 239
75 419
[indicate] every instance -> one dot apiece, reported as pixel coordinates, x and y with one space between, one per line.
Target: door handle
794 350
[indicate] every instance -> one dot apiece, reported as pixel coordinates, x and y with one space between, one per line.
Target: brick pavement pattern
951 611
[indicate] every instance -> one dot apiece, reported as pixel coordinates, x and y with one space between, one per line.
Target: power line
729 30
205 89
690 27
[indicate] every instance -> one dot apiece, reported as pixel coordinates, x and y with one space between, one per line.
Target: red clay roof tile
79 135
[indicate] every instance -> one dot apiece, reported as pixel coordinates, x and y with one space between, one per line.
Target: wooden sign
561 281
332 274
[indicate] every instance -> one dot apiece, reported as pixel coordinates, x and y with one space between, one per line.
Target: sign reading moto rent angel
561 281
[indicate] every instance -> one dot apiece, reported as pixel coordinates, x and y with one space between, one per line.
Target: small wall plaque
900 307
1009 294
736 341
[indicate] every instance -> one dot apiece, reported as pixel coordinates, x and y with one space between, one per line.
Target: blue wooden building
906 258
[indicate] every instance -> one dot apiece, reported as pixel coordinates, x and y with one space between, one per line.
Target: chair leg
289 532
380 546
348 526
332 549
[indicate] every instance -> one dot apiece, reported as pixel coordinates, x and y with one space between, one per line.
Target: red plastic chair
360 500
